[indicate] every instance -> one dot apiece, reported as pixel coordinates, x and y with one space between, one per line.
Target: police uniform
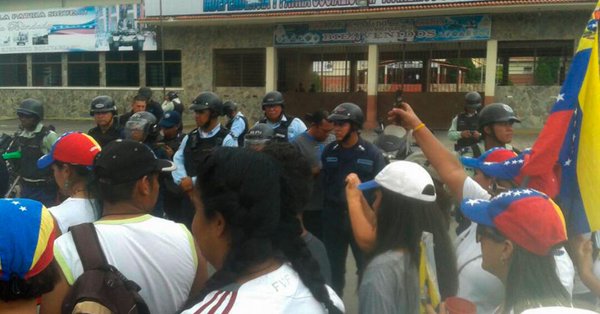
103 138
286 129
36 184
238 126
463 122
364 159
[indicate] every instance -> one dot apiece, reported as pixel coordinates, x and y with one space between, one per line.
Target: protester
27 266
311 144
237 124
262 263
295 194
286 127
518 231
71 159
33 141
157 254
348 154
464 129
107 128
390 282
259 136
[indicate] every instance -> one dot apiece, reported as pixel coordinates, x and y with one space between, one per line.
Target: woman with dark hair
262 262
27 266
71 159
518 231
390 283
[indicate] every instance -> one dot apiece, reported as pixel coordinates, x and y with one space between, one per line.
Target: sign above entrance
430 29
111 28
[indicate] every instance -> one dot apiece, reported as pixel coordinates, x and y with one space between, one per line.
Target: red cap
73 148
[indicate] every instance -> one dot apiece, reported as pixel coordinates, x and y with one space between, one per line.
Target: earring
67 185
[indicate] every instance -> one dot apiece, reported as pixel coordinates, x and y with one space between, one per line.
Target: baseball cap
405 178
73 148
170 119
525 216
419 158
125 160
26 238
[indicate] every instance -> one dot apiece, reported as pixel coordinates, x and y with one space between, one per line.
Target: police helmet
172 95
141 121
208 100
102 104
496 112
229 107
348 112
260 134
145 91
272 99
473 100
31 106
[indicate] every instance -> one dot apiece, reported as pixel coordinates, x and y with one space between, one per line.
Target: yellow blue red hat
26 238
72 148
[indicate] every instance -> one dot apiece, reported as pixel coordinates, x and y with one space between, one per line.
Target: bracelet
418 127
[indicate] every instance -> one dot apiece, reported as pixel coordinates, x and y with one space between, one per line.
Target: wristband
418 127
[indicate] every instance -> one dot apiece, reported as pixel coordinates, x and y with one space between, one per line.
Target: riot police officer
237 124
464 129
33 141
286 127
496 127
104 111
348 154
142 127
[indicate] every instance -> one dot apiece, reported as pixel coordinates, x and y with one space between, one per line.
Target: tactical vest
281 131
31 151
197 149
466 123
240 138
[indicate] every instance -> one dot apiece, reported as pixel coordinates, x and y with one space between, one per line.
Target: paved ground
521 140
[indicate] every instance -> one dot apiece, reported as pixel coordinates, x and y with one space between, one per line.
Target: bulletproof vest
197 149
110 135
240 138
31 151
281 132
466 123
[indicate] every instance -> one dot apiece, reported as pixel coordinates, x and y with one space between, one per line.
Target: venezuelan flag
571 137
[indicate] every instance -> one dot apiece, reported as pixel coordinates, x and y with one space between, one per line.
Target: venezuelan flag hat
72 148
26 238
525 216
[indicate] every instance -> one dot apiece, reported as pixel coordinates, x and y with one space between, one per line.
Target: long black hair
400 223
245 188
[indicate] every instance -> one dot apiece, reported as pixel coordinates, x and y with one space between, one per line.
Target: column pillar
491 59
372 82
271 69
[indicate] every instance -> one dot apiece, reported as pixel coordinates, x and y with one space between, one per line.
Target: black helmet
496 112
172 95
145 91
102 104
31 106
208 100
260 134
272 98
472 100
348 112
229 107
141 121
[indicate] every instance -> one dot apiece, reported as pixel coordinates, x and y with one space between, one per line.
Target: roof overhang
268 18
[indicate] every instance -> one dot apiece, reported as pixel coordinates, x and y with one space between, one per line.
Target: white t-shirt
280 291
72 212
158 254
475 284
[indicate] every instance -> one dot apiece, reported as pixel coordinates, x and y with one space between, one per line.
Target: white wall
25 5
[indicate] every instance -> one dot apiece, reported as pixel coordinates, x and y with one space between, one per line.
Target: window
13 70
84 69
172 68
241 68
46 69
122 68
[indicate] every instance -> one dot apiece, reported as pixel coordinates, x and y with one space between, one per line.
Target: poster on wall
111 28
430 29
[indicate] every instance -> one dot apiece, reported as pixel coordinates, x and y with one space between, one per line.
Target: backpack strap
88 246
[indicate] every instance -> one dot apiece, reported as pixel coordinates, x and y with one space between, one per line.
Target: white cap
405 178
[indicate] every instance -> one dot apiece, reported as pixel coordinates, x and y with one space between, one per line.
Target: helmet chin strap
349 134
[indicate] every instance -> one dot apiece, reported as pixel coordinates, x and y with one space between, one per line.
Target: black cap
123 161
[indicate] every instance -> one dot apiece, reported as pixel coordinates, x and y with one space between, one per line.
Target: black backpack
101 287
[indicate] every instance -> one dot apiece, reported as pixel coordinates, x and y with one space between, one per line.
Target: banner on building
112 28
430 29
198 7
